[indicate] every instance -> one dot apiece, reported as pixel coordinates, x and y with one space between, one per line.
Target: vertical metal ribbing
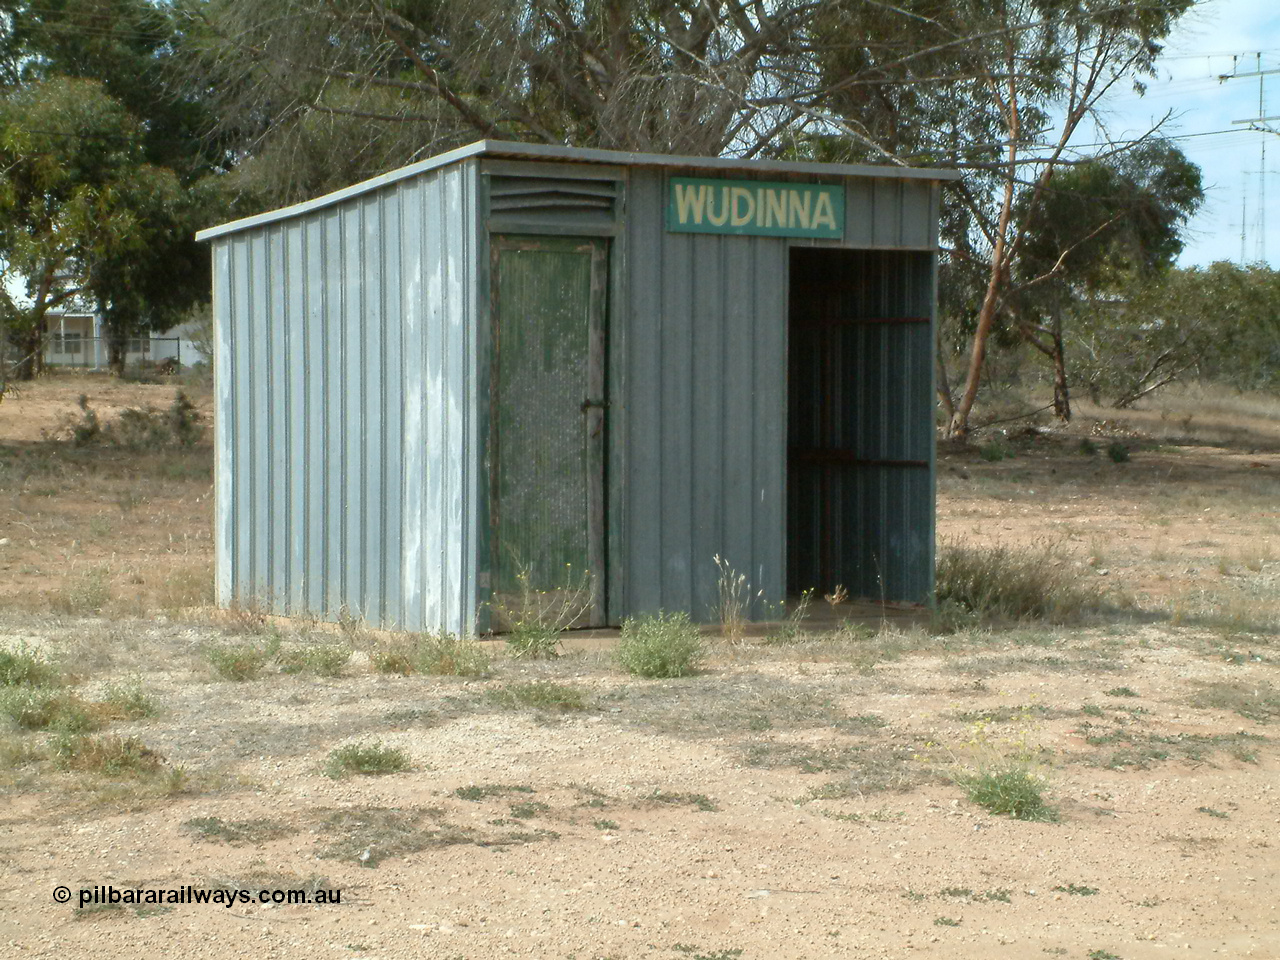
414 386
225 315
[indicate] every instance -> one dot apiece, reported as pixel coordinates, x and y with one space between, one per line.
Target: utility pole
1260 123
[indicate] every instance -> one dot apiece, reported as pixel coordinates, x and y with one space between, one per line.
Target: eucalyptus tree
67 151
318 93
124 166
1104 228
317 89
1219 324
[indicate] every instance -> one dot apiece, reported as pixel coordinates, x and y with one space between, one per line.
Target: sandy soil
790 801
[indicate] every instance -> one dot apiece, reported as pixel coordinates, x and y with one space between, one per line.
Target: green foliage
1010 790
1007 583
24 666
133 145
242 661
996 451
1123 215
129 700
77 193
1076 890
47 708
438 654
140 429
322 659
1118 452
107 755
665 645
365 759
541 695
1219 323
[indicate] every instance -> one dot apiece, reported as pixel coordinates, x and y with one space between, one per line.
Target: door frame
594 407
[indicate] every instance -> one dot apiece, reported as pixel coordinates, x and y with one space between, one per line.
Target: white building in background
75 338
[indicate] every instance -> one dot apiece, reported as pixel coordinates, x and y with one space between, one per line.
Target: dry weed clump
187 587
536 618
83 594
735 601
1004 583
146 428
438 654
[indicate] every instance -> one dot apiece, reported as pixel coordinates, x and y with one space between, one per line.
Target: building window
69 343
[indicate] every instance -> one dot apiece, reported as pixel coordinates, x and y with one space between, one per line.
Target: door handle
589 403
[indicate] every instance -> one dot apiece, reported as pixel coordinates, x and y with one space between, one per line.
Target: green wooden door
548 427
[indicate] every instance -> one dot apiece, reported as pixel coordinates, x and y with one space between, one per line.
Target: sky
1202 48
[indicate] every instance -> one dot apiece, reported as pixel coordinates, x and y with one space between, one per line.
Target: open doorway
860 490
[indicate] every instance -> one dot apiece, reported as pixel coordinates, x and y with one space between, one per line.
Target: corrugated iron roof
547 152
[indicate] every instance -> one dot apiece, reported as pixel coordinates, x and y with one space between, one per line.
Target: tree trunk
959 425
943 384
1061 396
117 347
28 343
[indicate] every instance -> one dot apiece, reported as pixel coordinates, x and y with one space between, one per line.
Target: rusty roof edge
540 151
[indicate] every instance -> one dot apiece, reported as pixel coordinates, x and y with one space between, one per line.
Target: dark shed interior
859 423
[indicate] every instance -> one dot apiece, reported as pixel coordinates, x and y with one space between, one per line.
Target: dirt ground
792 799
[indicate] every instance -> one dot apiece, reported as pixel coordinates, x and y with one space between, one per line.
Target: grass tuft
366 760
1009 791
541 695
1076 890
128 701
321 659
108 755
82 595
700 800
237 832
436 654
242 661
666 645
46 708
477 792
1121 692
24 666
1004 583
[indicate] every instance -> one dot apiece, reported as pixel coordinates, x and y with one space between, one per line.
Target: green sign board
755 207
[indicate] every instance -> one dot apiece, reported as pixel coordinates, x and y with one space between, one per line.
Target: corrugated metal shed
765 398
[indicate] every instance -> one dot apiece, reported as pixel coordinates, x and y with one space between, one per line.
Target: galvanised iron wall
699 398
352 388
346 407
